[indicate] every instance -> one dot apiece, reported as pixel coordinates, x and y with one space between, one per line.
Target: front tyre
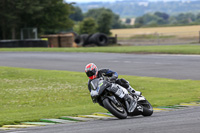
116 110
147 108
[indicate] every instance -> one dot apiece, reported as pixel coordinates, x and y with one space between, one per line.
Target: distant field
179 31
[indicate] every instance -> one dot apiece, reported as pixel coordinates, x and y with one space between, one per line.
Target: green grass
165 49
31 94
148 36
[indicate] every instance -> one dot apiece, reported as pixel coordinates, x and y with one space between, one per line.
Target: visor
91 73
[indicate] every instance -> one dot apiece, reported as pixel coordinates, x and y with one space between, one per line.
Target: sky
78 1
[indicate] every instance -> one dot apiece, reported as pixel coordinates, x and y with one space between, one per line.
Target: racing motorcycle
100 93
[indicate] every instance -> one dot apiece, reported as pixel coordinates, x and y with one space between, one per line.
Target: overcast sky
78 1
89 0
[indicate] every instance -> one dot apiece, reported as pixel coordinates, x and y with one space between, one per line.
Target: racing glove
113 79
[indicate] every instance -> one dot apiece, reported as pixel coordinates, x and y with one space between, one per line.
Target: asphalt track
165 66
150 65
179 121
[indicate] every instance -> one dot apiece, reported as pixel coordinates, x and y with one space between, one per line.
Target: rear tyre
116 110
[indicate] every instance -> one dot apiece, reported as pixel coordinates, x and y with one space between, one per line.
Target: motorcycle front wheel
117 110
147 108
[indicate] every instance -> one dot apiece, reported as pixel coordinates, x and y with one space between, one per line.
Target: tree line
95 20
136 8
102 20
164 19
54 16
49 16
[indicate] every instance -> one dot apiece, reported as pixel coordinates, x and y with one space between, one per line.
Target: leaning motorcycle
100 93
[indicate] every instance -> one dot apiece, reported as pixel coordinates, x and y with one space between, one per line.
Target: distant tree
185 18
94 13
88 26
161 21
197 20
172 20
139 22
55 16
15 13
148 18
77 14
116 22
162 15
105 22
152 23
151 20
198 16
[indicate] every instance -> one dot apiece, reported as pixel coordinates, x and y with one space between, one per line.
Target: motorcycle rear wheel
116 110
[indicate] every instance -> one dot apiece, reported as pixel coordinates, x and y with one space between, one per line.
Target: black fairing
94 84
100 85
105 85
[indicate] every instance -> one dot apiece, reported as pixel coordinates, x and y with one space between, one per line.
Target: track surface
165 66
179 121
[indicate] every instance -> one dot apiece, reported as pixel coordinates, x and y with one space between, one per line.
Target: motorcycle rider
92 72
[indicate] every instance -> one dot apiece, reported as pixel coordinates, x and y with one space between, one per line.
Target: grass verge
165 49
148 36
30 94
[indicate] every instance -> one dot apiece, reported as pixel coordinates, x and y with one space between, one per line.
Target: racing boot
132 91
131 103
129 88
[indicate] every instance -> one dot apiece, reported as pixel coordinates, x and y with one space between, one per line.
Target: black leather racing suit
113 76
